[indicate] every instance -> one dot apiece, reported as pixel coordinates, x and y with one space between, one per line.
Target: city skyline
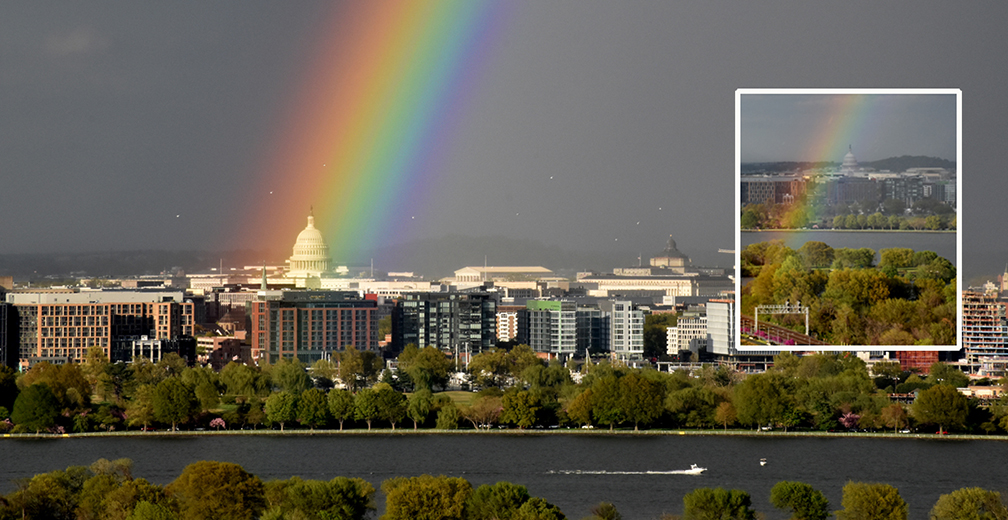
148 127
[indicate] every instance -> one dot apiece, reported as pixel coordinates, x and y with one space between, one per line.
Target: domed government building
311 254
850 164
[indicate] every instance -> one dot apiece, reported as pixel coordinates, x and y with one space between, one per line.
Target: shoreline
387 432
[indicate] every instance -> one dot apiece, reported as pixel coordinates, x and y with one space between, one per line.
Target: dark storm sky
116 117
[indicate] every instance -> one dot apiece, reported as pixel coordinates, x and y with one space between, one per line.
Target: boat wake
694 470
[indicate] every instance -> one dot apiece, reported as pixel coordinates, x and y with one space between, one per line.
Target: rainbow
372 121
848 120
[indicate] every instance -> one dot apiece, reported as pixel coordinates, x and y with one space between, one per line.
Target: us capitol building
311 255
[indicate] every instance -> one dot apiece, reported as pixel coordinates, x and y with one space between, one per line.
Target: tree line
211 490
517 389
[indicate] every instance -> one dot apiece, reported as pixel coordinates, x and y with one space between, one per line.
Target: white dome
849 161
311 254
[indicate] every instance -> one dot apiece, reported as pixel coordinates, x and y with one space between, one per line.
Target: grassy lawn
461 398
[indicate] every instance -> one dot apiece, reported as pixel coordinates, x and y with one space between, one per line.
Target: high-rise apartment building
458 323
985 332
310 325
60 327
625 324
552 326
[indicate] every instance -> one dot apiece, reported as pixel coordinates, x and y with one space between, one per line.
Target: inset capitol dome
849 162
311 254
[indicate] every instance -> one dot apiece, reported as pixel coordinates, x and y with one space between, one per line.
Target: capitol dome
849 162
311 254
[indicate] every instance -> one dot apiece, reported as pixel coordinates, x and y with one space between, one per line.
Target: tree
945 374
140 409
427 367
171 365
448 417
67 383
489 368
656 333
725 414
538 509
418 406
341 405
815 254
36 408
717 504
483 412
174 402
8 387
520 407
215 490
500 500
606 401
145 510
899 257
242 380
894 416
50 495
281 408
357 369
207 394
391 405
341 497
312 408
579 410
804 501
969 504
642 399
425 498
943 406
865 501
366 406
94 365
326 371
290 376
761 399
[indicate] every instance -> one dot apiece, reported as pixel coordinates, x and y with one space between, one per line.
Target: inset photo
848 220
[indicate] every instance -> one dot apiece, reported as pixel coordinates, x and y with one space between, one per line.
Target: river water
942 243
572 471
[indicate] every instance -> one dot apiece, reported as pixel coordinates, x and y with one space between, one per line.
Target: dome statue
311 254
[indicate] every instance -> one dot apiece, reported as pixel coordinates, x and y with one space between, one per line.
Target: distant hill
785 166
115 264
905 162
893 164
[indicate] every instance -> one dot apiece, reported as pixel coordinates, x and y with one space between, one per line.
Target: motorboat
762 462
694 470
